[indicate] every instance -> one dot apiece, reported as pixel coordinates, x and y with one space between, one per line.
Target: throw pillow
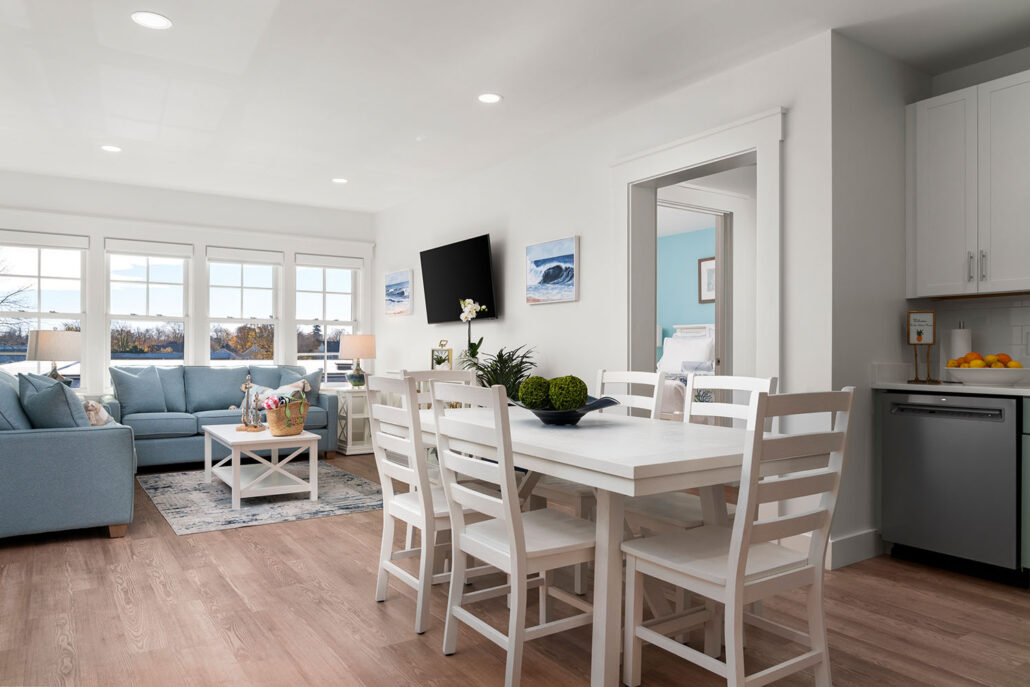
12 416
173 384
51 407
138 390
314 380
97 414
260 393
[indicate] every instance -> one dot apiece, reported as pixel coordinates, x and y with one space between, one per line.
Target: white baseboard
852 548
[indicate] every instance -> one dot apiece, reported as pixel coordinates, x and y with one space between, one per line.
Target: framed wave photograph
398 292
552 271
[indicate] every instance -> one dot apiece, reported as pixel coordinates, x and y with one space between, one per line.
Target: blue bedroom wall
677 279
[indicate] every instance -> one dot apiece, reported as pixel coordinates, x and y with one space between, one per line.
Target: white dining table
620 456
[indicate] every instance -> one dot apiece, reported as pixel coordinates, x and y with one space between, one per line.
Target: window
146 309
40 288
325 312
242 311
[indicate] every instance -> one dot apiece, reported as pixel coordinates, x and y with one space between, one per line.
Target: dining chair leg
713 629
425 579
516 630
450 630
384 555
734 621
817 631
542 589
633 645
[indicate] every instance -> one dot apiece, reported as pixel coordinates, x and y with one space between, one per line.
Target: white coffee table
266 477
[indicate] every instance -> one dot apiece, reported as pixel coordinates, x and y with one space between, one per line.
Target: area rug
191 505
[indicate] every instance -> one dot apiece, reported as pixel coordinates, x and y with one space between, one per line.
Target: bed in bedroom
691 349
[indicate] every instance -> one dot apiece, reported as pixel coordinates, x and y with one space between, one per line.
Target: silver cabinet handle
983 265
971 277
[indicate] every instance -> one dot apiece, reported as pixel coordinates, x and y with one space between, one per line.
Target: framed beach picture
398 292
706 280
551 271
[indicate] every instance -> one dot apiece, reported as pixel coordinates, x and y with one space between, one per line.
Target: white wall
98 211
971 75
870 91
565 187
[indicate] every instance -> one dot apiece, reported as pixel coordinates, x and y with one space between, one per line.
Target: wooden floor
292 604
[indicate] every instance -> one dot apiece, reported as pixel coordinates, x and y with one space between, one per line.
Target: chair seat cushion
703 552
217 417
675 509
547 532
160 425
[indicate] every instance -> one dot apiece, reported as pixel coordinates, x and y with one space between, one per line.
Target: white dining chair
423 378
737 565
526 546
401 458
577 497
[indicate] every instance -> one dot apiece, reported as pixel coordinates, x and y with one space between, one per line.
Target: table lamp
53 345
357 346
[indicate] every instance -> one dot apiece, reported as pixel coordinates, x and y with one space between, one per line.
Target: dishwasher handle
926 410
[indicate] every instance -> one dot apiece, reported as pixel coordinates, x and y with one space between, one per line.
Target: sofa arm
331 404
114 408
60 479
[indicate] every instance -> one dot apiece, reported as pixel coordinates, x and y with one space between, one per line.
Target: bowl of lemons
996 369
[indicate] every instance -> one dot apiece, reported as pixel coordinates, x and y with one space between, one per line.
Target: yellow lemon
953 363
990 359
997 365
977 363
1015 363
964 365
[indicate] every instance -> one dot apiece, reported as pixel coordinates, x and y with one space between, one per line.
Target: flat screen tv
456 271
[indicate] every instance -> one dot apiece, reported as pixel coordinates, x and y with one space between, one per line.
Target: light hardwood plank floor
292 604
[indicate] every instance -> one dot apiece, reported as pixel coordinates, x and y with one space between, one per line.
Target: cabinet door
1005 184
945 194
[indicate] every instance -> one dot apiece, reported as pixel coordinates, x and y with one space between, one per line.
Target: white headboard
694 329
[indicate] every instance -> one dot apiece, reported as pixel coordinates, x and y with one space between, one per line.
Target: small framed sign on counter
922 327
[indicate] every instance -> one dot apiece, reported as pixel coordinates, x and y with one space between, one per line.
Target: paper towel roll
960 342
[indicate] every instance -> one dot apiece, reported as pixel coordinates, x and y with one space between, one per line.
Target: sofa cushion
216 417
173 384
314 379
138 389
213 388
12 416
263 375
317 418
50 404
160 425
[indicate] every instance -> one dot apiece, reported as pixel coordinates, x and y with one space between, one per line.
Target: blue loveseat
195 396
61 479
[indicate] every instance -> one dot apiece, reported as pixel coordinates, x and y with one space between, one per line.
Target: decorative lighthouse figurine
250 415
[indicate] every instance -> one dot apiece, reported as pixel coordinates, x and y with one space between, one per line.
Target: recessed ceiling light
490 98
152 20
111 149
339 180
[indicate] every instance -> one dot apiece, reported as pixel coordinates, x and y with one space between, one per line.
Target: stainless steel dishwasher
950 475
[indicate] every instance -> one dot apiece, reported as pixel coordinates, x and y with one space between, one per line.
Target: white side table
354 425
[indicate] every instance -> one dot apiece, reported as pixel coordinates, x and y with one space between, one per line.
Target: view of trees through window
240 291
324 314
147 308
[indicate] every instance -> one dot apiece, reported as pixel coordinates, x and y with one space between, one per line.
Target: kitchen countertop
950 388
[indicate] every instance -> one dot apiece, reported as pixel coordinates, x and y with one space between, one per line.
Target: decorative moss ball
568 392
535 393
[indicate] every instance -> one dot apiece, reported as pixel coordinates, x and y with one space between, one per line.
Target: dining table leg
607 637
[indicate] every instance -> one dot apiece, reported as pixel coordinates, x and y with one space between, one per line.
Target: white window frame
184 319
355 307
275 320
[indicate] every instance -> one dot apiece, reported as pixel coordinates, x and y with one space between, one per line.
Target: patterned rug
191 505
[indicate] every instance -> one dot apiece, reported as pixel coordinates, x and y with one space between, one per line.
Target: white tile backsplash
999 325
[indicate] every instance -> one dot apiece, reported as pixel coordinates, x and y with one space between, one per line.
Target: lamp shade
45 344
358 346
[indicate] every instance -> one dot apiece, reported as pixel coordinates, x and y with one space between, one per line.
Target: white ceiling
270 99
676 220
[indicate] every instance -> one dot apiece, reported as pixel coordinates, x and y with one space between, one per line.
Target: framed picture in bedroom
706 280
552 271
398 292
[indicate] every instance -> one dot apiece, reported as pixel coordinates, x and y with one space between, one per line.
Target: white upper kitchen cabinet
942 195
1004 189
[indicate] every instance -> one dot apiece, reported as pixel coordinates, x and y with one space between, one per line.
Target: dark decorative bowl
570 417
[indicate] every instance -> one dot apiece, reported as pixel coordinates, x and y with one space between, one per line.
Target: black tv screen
456 271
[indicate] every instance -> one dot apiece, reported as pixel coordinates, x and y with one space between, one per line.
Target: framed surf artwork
552 271
398 292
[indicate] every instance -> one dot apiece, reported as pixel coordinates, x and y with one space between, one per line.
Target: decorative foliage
568 393
507 368
535 393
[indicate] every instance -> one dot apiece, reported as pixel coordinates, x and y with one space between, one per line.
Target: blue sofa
64 479
196 396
